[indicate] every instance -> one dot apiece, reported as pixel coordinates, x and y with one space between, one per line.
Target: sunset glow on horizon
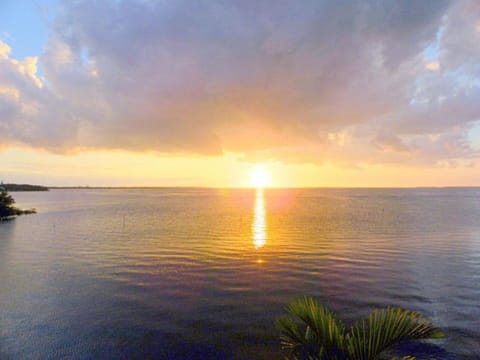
260 177
176 97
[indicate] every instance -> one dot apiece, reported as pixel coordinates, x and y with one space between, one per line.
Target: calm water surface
203 273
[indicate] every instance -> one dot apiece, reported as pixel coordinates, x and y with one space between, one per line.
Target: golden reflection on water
259 225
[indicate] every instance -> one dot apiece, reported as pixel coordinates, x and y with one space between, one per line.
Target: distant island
24 187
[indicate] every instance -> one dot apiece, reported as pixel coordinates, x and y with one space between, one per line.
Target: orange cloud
433 66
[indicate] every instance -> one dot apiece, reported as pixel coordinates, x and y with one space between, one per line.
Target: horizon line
253 187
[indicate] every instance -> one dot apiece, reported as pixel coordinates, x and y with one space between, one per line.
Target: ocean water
203 273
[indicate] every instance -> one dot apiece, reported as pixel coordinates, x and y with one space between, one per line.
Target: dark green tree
7 208
6 205
313 332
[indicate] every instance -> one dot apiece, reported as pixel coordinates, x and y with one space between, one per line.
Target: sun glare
260 177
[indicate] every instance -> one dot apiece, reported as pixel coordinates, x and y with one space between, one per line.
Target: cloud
317 81
390 143
29 113
433 66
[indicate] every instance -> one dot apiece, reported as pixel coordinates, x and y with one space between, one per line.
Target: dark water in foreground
202 273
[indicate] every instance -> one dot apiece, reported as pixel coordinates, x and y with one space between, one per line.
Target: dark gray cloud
299 81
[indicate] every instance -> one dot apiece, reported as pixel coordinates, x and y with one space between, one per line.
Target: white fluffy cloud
343 81
29 112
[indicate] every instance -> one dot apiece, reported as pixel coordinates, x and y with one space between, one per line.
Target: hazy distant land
24 187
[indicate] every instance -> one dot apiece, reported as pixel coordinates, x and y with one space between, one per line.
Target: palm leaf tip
291 335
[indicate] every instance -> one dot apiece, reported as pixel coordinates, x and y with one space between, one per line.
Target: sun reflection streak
259 226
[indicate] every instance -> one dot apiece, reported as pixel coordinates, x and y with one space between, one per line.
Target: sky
181 93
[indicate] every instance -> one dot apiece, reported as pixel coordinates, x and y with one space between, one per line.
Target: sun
260 177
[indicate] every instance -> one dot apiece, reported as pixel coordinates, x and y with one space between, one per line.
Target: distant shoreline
253 188
24 187
31 188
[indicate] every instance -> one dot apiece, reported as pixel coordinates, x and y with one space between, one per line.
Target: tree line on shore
23 187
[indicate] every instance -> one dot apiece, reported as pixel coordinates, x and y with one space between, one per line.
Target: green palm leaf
386 328
312 332
321 335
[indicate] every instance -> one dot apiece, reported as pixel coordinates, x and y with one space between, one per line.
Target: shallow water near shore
203 273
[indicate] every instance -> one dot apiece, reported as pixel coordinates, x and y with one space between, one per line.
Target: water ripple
203 273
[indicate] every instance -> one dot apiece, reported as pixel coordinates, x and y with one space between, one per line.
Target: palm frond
385 328
320 336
